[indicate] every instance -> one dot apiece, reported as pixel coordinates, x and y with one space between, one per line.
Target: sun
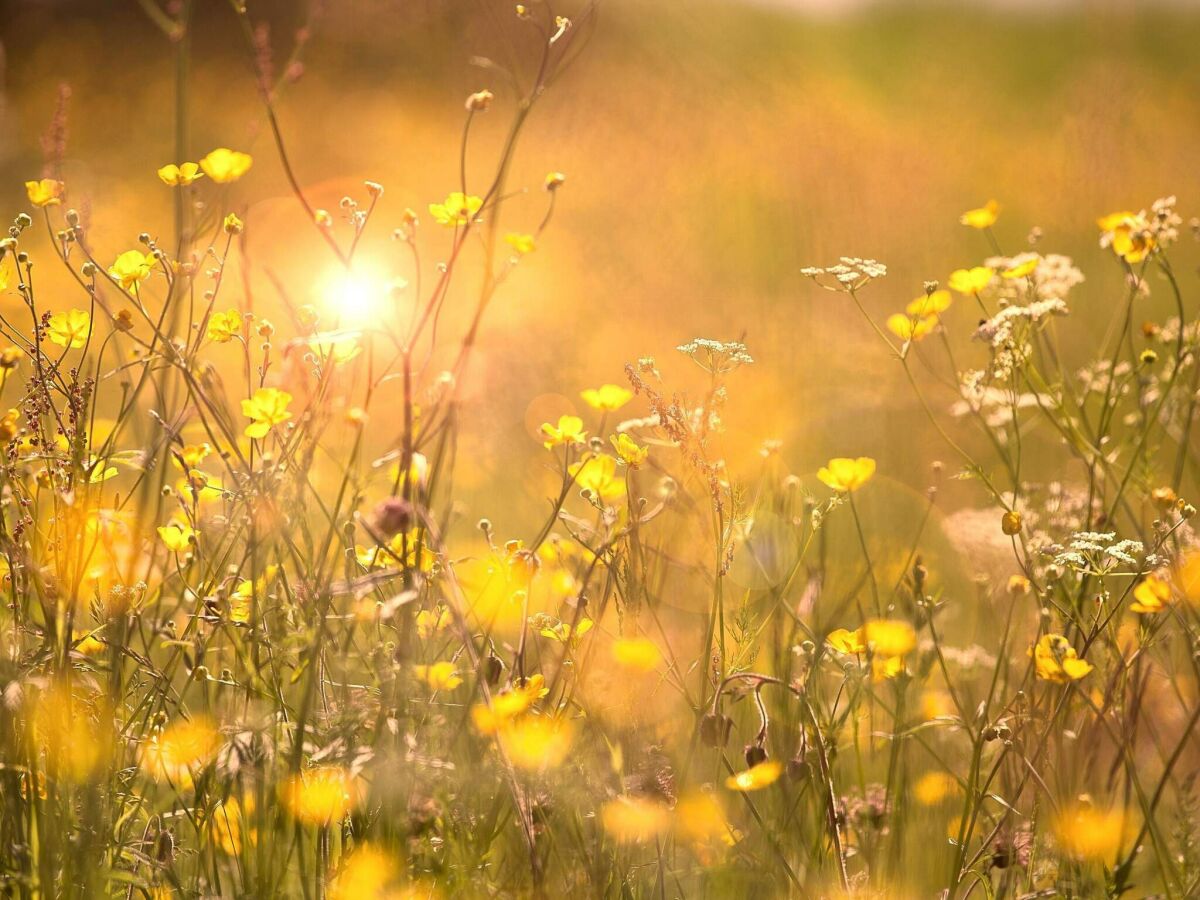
356 297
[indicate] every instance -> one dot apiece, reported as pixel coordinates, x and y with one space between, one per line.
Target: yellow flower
631 454
930 304
1151 595
983 217
885 667
181 175
1128 234
321 795
46 192
564 633
231 224
631 820
337 348
223 327
909 328
368 874
224 165
1057 661
8 425
180 749
637 653
458 209
971 281
227 825
268 408
1023 268
441 676
508 705
69 329
569 430
844 475
607 397
535 743
889 637
598 474
934 787
756 777
131 268
431 621
845 641
1088 833
177 536
521 243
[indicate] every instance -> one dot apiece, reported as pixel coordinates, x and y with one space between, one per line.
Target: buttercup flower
223 327
629 451
268 408
931 304
756 777
1151 595
69 329
131 268
983 217
224 165
46 192
910 328
181 175
845 475
1057 661
521 243
1128 234
177 536
457 209
970 281
569 430
607 397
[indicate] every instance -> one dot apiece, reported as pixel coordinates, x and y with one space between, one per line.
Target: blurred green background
711 151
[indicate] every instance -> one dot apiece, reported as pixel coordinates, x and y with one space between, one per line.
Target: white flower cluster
1099 552
717 357
850 274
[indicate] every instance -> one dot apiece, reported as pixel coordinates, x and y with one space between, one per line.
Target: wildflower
1128 234
227 824
522 244
457 209
563 632
631 454
535 743
223 327
1010 523
336 348
233 225
717 357
756 777
177 536
368 873
889 637
569 430
1151 595
607 397
8 425
70 727
934 787
598 474
320 796
131 268
845 641
224 165
633 820
554 180
1089 833
850 274
181 749
971 281
1021 267
639 654
392 516
69 329
1057 661
508 705
441 676
931 304
983 217
431 621
46 192
268 408
911 328
181 175
845 475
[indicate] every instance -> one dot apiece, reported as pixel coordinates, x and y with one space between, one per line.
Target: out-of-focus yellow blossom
1187 577
180 175
44 192
440 676
885 667
700 819
1128 234
607 397
1057 661
564 633
337 348
936 704
983 217
178 536
569 430
508 704
431 621
930 304
1023 268
88 643
227 825
1151 595
69 329
70 727
190 456
457 209
845 641
909 328
521 243
321 795
268 408
182 748
223 327
8 425
534 743
232 225
757 777
1091 834
131 268
637 653
934 787
368 874
598 474
631 454
224 165
971 281
845 475
889 637
634 820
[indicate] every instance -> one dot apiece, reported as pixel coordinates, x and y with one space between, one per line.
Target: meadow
618 450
